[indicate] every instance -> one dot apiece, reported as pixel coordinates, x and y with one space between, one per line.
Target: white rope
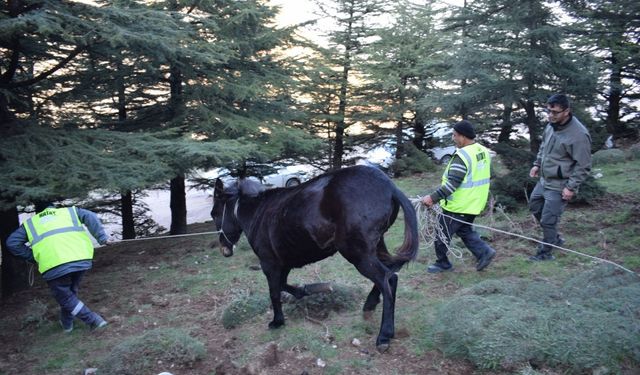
32 276
424 217
430 229
169 236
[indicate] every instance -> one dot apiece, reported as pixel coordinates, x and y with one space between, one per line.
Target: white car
443 154
273 177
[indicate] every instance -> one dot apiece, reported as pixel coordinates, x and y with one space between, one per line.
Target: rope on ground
425 219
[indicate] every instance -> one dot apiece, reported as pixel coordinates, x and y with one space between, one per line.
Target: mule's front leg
275 287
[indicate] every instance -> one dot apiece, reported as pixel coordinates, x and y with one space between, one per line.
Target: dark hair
41 205
559 99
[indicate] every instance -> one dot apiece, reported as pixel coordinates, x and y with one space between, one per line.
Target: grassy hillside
169 300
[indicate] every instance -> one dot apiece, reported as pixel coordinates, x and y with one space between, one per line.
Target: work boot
559 242
67 327
66 321
98 323
540 257
485 259
439 267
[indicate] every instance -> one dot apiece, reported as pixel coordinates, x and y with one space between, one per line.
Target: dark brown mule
346 211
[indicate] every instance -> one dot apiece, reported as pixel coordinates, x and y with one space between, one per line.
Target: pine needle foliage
45 163
589 321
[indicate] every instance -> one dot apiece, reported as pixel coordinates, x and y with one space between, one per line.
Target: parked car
272 176
268 175
442 155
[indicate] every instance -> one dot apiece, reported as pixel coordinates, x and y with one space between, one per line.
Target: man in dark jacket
63 251
563 163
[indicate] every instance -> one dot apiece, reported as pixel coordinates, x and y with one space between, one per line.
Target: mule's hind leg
373 299
385 282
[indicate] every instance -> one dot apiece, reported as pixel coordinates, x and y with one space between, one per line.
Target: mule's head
224 217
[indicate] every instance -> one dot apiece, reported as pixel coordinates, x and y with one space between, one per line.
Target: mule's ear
218 188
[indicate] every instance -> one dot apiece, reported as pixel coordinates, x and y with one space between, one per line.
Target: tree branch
47 73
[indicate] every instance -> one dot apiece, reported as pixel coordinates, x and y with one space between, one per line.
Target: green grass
619 178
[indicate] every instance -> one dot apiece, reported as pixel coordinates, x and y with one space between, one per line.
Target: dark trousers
464 230
65 292
547 206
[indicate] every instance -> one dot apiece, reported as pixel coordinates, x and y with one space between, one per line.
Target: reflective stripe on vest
57 236
472 194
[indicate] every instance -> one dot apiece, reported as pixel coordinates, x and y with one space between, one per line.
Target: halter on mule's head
224 214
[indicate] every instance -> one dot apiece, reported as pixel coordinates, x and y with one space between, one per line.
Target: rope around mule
426 219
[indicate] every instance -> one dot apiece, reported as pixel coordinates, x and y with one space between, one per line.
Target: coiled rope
428 219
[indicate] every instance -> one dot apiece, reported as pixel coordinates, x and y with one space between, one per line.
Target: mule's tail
409 248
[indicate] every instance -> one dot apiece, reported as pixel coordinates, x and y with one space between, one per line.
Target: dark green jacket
564 157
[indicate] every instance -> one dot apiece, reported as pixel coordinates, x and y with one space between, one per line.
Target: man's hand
567 194
427 201
534 171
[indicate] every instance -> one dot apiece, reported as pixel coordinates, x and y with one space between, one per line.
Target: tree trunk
418 133
506 126
400 151
126 210
15 271
338 149
178 206
533 125
614 97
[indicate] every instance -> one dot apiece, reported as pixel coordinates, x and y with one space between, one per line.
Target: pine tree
510 59
401 67
610 32
354 26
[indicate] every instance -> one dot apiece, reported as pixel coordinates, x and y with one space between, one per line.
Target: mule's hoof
367 314
382 347
275 325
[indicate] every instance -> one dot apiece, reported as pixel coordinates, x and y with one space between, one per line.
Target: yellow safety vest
57 237
472 195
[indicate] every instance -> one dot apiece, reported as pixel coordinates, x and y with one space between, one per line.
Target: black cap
465 128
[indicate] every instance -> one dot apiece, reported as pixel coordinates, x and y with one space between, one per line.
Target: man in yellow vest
63 251
462 196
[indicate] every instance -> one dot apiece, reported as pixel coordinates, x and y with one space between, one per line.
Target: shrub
317 305
589 190
413 161
243 309
320 305
633 153
510 189
36 314
587 322
610 156
152 352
